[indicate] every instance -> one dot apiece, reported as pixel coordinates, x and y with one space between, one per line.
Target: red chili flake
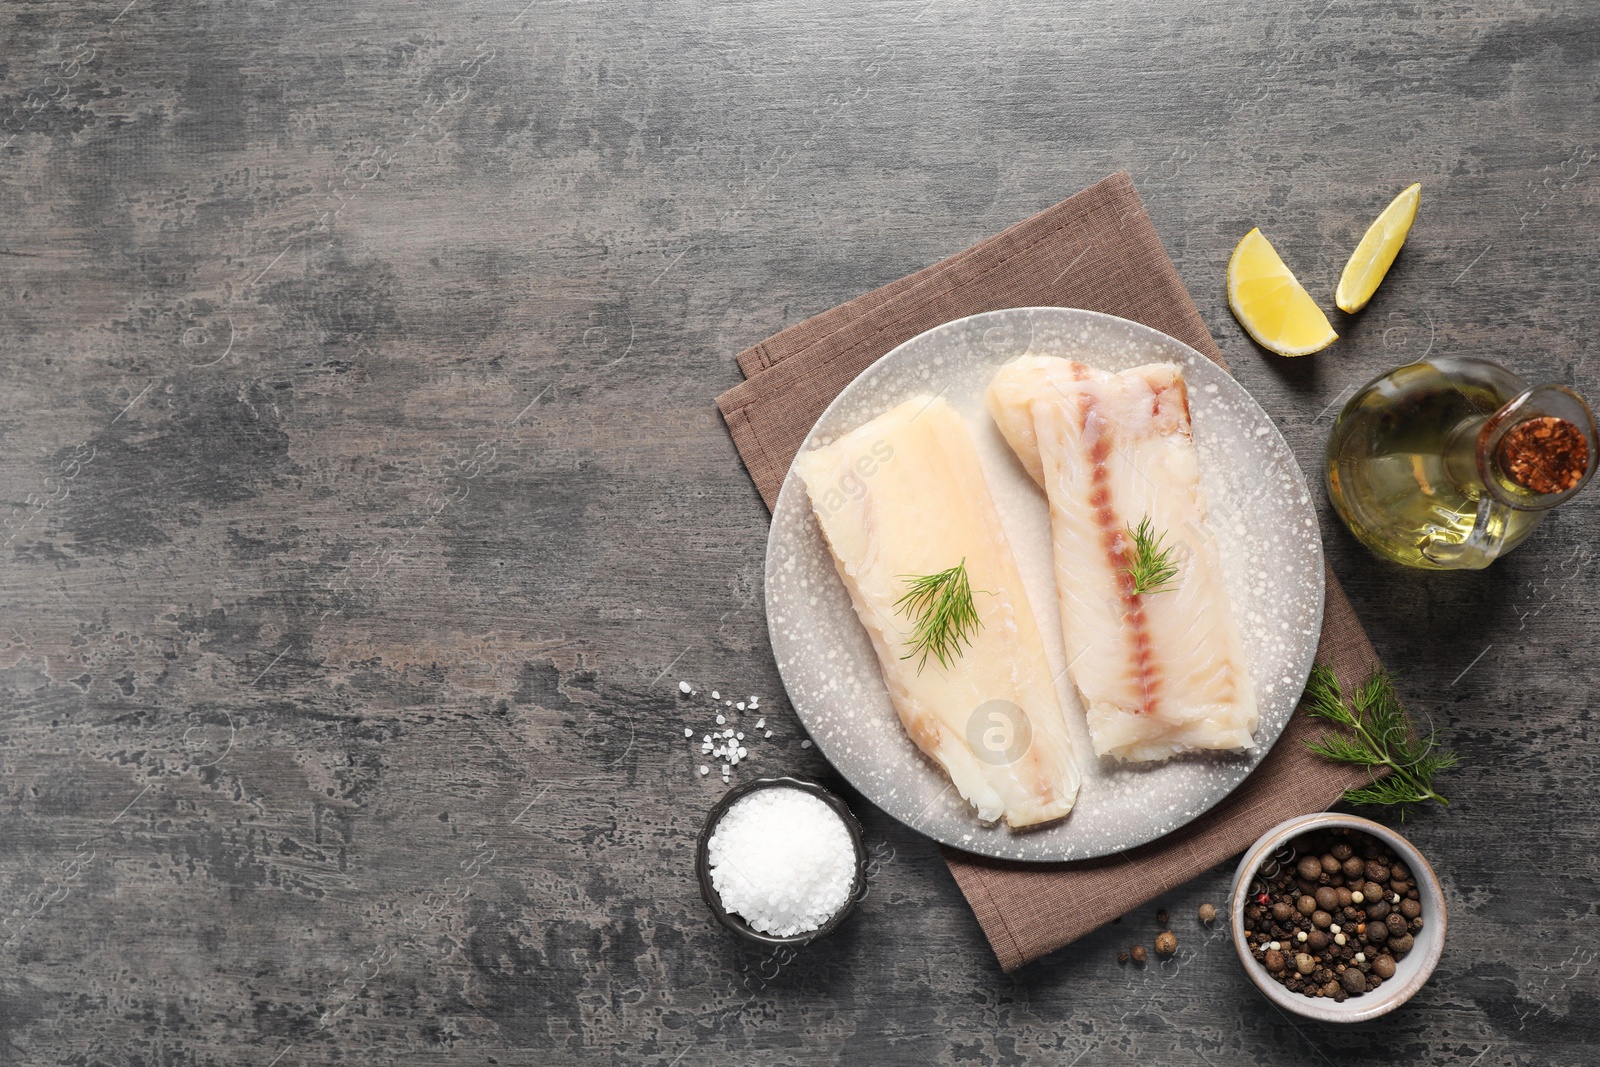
1263 898
1544 454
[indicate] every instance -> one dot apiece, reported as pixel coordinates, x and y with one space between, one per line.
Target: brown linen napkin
1096 250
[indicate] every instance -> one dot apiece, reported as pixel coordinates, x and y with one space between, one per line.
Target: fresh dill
1380 737
941 606
1149 565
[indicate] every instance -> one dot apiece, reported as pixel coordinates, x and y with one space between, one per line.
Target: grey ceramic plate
1260 511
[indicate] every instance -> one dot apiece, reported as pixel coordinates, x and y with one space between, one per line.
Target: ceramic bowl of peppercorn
1337 918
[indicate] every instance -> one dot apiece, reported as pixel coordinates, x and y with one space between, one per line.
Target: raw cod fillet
905 495
1162 672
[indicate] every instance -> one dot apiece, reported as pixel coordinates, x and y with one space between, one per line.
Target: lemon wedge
1271 306
1374 255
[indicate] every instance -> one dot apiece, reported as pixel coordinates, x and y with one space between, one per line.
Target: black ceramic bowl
702 861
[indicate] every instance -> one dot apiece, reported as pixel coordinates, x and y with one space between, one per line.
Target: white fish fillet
905 495
1159 673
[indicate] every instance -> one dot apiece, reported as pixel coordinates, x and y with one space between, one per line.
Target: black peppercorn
1352 902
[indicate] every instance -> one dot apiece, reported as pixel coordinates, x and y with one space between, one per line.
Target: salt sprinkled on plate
782 860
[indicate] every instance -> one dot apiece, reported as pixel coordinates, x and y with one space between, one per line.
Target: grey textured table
364 503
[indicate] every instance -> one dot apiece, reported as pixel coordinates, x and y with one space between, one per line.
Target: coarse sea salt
782 860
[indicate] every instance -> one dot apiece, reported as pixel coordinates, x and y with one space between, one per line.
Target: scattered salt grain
782 860
721 720
738 736
805 744
768 734
742 752
704 770
760 723
715 695
687 732
683 687
739 706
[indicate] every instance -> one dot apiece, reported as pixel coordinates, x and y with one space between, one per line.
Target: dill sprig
941 605
1380 736
1149 565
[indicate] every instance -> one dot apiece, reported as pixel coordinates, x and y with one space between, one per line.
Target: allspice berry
1166 943
1334 923
1138 953
1208 914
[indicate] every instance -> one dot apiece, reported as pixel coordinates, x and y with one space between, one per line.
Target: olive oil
1403 465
